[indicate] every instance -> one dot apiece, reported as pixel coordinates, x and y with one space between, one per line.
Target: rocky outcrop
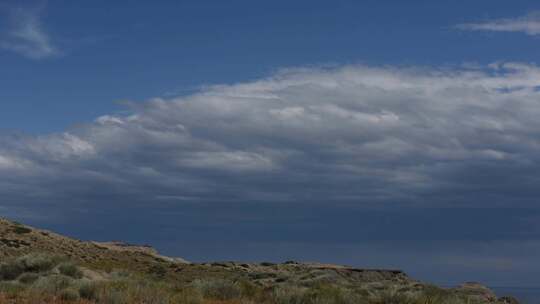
133 248
477 292
507 300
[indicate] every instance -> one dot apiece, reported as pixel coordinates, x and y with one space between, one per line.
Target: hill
100 261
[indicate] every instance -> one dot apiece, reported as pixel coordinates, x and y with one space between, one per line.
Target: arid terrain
40 266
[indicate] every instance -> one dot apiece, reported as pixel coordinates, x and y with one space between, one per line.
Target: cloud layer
25 34
529 24
354 135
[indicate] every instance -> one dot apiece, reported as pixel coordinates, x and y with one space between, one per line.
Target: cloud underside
529 24
355 135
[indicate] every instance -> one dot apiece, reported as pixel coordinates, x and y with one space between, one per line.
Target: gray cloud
434 170
25 34
355 135
528 24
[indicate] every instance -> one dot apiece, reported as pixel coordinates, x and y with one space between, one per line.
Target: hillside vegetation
38 266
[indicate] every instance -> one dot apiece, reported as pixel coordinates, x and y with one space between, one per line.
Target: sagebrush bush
28 277
52 283
71 270
250 290
37 262
88 290
69 295
11 287
10 271
21 230
158 270
30 263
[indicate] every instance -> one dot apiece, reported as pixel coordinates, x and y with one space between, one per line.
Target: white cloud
356 133
6 162
26 35
11 163
529 24
232 161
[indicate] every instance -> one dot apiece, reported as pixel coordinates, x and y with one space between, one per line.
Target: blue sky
113 52
399 134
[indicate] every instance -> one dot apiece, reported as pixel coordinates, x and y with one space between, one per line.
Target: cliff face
102 257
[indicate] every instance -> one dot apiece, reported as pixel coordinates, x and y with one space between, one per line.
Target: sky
378 134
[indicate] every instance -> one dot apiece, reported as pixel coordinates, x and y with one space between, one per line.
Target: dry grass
50 280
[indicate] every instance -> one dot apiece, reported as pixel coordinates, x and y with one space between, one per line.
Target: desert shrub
28 278
71 270
52 283
10 271
88 290
119 274
69 295
158 270
37 262
218 289
21 230
250 290
11 287
262 275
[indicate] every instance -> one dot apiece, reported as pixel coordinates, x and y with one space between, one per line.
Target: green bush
250 290
37 262
69 295
53 283
88 290
21 230
71 270
11 287
158 270
10 271
28 278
